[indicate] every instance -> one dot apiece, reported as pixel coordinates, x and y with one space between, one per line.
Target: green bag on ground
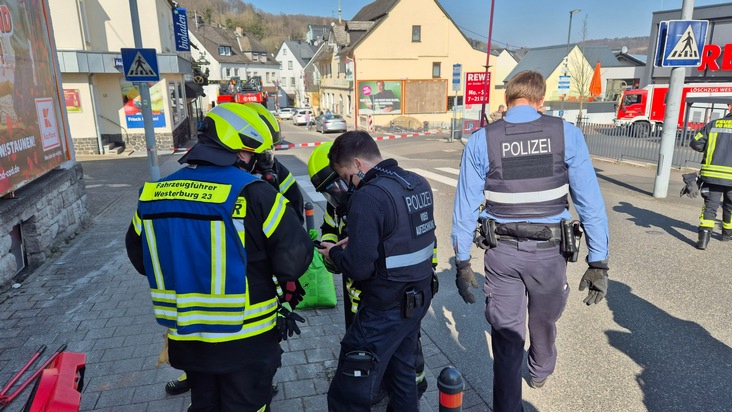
317 282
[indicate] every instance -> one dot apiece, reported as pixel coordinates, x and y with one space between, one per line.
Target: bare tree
580 70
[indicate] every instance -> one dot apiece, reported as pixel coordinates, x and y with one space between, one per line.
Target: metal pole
454 114
670 120
487 65
566 57
147 118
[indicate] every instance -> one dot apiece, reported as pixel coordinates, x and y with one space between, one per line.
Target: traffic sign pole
457 73
147 117
670 120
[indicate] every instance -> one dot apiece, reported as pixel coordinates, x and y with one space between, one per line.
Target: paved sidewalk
89 296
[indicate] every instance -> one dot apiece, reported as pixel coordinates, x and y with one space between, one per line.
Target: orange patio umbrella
596 83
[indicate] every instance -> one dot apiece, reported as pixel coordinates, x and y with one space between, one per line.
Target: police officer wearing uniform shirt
715 141
209 238
522 168
389 253
334 229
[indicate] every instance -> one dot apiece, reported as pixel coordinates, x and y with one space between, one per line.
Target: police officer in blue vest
521 169
209 238
389 253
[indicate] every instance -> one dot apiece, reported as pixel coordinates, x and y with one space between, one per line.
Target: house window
228 72
416 34
267 77
224 50
292 82
236 72
284 52
289 65
436 72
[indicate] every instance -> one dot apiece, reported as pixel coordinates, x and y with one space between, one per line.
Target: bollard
450 384
309 215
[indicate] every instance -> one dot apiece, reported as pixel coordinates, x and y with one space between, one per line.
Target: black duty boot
704 236
726 235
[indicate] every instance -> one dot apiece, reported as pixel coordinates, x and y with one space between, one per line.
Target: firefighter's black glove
595 278
293 293
287 322
464 279
692 187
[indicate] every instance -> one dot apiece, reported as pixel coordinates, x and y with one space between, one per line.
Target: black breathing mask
265 168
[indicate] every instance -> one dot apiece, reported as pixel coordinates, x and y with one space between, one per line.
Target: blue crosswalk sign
685 40
140 65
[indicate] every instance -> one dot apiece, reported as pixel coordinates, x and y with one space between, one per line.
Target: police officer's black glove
287 322
595 278
330 266
692 187
465 278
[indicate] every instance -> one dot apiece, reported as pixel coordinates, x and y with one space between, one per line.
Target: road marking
451 170
435 177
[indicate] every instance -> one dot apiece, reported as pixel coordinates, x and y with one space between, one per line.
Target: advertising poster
132 105
475 88
73 102
380 97
31 136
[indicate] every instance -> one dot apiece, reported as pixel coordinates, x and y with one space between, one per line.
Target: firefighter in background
333 229
218 298
276 174
715 141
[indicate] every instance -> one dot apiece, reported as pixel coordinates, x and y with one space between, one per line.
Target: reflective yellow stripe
218 257
239 225
328 219
249 330
718 168
711 144
727 225
163 295
726 176
153 247
329 237
277 287
190 190
262 409
188 300
275 215
285 184
137 223
198 317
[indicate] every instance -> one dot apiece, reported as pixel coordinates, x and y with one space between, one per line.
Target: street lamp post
566 57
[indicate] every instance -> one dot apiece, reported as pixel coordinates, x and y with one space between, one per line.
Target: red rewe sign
477 87
711 53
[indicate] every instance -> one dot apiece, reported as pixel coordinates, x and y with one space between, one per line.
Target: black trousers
717 194
248 390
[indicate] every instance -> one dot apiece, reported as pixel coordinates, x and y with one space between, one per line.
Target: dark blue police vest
527 175
408 249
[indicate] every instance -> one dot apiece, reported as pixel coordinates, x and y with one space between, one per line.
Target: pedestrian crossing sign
684 42
140 65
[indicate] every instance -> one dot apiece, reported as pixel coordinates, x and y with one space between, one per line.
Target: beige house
103 108
393 62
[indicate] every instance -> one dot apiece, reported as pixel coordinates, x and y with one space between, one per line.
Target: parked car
330 123
286 112
299 118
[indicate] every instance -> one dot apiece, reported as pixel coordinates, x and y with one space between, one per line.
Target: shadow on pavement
684 367
648 218
621 184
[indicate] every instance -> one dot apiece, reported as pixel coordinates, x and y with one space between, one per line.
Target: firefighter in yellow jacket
209 238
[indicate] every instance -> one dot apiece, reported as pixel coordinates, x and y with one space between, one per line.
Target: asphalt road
659 342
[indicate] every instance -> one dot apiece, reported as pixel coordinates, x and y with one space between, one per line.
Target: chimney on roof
239 30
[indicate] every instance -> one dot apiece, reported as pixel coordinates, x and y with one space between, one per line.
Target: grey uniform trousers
518 275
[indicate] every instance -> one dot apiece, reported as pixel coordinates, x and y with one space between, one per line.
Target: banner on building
380 97
132 105
32 139
477 87
180 29
72 100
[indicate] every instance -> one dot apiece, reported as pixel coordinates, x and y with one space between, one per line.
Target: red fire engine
644 109
234 90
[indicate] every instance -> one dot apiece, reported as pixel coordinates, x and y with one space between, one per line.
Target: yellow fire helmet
268 117
321 174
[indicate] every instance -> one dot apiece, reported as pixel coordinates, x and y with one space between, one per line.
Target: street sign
660 43
457 73
140 65
685 40
564 82
476 85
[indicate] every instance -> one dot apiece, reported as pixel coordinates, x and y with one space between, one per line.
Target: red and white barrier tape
314 144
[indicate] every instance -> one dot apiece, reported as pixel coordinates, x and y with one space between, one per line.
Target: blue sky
530 23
